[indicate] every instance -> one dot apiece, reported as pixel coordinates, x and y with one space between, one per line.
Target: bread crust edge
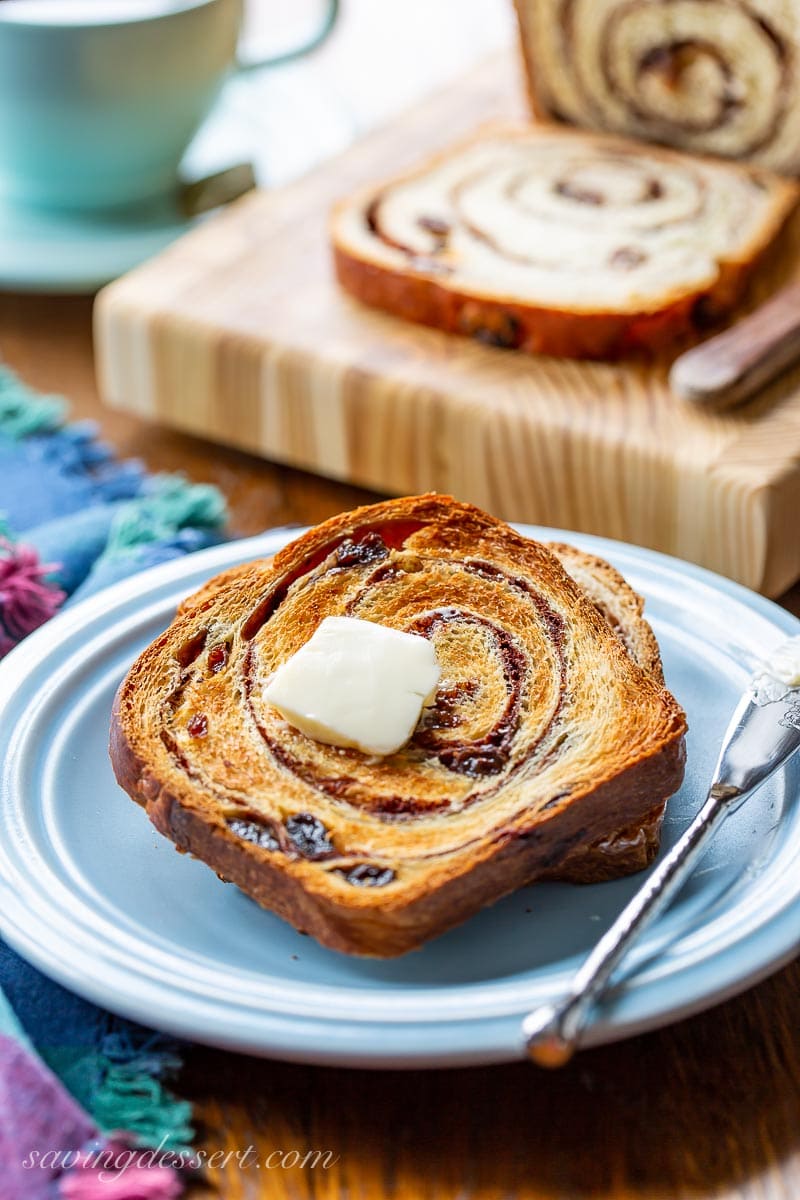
522 860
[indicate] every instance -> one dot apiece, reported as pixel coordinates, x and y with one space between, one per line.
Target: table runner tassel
23 412
26 599
128 1090
171 517
70 466
37 1116
167 504
112 1171
50 1147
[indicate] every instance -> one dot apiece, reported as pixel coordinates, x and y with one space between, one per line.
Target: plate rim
111 249
340 1041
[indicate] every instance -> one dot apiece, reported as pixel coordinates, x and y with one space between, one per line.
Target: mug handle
316 39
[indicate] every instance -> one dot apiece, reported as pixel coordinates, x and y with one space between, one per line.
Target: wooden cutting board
239 333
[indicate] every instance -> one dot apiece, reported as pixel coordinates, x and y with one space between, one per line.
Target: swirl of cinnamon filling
493 716
494 750
711 76
563 222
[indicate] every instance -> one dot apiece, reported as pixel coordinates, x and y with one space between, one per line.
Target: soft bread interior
717 77
557 220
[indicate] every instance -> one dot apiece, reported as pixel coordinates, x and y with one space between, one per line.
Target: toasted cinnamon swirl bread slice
626 850
559 242
545 743
716 77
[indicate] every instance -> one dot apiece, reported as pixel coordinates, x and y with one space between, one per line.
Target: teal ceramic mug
100 98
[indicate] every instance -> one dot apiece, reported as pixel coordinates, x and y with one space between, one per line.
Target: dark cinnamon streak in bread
549 751
625 850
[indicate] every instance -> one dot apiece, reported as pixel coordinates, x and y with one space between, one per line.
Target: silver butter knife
763 733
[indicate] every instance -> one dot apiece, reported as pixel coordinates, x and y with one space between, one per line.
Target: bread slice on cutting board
554 241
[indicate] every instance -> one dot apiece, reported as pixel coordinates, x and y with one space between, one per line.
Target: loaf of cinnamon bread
548 751
710 76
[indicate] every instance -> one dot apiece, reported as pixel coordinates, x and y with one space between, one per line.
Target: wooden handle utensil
732 366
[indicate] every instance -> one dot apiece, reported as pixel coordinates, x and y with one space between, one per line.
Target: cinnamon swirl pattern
546 751
712 76
559 242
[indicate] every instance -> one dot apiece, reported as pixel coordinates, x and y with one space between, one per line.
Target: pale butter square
356 684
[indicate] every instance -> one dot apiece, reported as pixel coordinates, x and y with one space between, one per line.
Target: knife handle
732 366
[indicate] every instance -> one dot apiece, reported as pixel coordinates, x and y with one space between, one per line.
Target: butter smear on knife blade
779 673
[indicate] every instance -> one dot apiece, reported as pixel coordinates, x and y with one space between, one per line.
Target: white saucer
47 250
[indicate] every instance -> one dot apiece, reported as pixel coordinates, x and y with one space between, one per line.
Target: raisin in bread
715 77
559 242
549 750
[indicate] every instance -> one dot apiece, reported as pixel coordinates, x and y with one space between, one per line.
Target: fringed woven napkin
85 1107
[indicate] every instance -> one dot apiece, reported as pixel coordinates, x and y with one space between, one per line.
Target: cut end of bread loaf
718 77
549 751
552 241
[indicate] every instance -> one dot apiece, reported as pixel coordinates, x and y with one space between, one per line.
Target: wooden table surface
707 1108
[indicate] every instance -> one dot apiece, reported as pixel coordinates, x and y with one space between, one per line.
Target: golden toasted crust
616 600
434 290
546 738
635 847
212 586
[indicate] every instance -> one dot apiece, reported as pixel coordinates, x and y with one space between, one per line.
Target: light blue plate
92 895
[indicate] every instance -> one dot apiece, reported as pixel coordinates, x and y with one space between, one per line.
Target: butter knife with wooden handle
731 367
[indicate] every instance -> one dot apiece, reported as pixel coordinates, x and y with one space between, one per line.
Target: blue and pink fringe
72 520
